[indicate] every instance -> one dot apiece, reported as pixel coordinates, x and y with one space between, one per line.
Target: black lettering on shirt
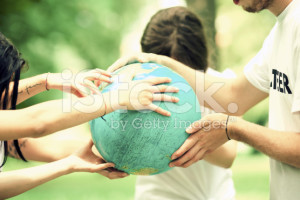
280 82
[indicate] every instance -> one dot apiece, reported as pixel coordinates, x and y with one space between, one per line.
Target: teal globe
142 143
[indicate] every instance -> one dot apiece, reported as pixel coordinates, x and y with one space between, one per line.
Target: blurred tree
206 9
54 35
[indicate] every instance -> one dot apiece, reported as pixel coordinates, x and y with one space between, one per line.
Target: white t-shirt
276 70
1 154
201 180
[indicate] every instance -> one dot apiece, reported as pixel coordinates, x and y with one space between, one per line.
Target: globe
142 142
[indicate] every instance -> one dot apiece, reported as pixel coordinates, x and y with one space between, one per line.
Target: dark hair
10 70
178 33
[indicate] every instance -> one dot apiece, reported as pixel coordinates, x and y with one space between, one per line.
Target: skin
222 157
280 145
48 117
18 181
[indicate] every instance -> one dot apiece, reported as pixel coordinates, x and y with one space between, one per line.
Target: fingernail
173 157
189 129
124 174
176 99
172 165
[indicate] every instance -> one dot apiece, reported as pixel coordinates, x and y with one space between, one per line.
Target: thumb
99 167
194 127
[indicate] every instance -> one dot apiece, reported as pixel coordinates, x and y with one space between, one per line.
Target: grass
250 174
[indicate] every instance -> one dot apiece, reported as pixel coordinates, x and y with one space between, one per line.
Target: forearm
231 96
47 149
52 116
223 156
279 145
31 86
16 182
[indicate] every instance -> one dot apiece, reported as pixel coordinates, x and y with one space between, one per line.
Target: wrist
233 127
47 85
68 166
107 104
42 79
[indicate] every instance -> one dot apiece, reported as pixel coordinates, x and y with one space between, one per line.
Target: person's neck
278 6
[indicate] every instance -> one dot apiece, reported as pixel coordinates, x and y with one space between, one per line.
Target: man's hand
207 135
139 57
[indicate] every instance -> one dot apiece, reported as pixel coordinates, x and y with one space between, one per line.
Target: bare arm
13 183
223 156
212 92
30 87
279 145
46 149
53 148
48 117
52 116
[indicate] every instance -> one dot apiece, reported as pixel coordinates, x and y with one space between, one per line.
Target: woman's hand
75 84
84 160
140 94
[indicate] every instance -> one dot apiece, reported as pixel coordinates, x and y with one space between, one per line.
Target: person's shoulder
294 16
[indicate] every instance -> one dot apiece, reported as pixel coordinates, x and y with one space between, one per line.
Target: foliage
54 35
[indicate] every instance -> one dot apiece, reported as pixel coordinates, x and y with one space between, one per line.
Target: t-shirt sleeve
257 71
296 60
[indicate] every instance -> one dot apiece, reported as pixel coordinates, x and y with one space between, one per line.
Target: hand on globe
75 84
84 160
207 135
140 94
139 57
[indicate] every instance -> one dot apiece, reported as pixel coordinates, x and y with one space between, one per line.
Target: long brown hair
178 33
10 70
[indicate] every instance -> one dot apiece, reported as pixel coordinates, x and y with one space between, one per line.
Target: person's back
178 33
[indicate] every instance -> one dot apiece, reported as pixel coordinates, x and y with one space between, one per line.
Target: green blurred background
56 35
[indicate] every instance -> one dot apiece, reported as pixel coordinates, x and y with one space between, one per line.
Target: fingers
112 173
79 94
93 75
97 83
159 110
187 156
90 85
199 156
164 88
99 167
119 63
196 126
158 80
187 145
101 71
164 97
